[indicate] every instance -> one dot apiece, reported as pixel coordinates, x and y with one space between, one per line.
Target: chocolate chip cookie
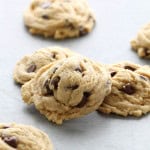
69 88
141 44
59 18
26 68
130 93
22 137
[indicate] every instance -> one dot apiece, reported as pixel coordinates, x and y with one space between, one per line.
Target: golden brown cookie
141 44
22 137
67 89
59 19
27 67
130 94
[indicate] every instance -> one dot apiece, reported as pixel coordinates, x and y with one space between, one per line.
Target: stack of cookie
61 84
64 85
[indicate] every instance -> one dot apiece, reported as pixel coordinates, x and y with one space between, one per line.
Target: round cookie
130 93
69 88
141 44
27 67
59 19
22 137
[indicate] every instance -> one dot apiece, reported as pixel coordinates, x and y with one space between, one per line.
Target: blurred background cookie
141 44
59 19
22 137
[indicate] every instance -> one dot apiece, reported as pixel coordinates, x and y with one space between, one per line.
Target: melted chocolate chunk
84 99
129 68
46 17
6 127
32 68
83 74
128 89
55 82
10 140
73 87
82 31
49 91
113 73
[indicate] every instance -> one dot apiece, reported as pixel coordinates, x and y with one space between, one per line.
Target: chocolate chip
113 73
78 69
142 77
85 60
55 70
82 31
146 52
129 68
45 5
46 17
49 91
31 68
54 55
71 26
6 127
73 87
83 74
128 89
10 140
68 24
55 81
84 99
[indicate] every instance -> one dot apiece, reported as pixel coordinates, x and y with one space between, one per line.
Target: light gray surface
117 22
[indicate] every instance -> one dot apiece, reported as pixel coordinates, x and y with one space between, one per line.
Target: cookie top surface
59 18
130 93
141 44
22 137
26 68
68 88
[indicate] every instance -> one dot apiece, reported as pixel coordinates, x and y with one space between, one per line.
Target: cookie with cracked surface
59 19
141 44
22 137
130 93
27 67
67 89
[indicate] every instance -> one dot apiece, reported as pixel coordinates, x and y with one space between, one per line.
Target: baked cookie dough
27 67
59 19
141 44
130 93
67 89
22 137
